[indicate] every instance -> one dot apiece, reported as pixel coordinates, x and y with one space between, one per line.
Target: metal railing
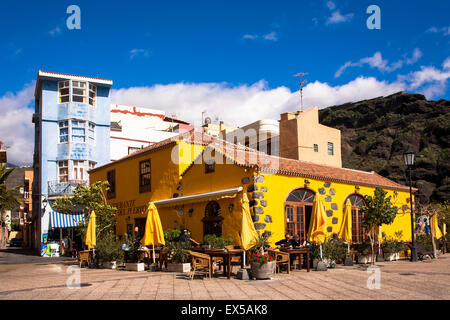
56 188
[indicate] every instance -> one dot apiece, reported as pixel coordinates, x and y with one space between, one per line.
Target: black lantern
409 157
409 161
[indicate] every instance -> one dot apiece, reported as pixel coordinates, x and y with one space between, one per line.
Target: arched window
212 222
298 208
358 231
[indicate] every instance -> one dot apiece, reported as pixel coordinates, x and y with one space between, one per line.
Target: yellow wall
197 181
166 181
279 187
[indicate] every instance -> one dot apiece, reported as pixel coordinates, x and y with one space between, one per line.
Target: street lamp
409 161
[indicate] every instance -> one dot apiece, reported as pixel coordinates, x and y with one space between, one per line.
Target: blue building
72 136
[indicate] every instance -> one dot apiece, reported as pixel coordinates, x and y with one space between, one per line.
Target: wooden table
299 252
225 255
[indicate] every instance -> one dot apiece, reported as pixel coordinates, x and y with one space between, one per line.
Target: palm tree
9 198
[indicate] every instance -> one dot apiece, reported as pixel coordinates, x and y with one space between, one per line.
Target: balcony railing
26 195
56 188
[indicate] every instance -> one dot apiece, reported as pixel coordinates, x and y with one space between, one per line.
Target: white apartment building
133 128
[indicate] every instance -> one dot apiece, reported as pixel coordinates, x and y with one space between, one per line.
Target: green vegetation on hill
376 132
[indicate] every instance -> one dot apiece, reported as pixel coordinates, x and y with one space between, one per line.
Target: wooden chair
84 256
282 258
200 261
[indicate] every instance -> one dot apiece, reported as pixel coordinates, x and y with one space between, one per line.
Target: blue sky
222 55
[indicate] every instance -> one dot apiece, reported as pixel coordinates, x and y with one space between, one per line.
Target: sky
236 60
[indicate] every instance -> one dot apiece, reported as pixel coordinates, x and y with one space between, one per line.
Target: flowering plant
261 258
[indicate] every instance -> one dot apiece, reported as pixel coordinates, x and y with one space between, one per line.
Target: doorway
298 209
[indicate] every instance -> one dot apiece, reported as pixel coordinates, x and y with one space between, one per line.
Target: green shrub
218 242
172 235
178 252
108 248
133 251
425 240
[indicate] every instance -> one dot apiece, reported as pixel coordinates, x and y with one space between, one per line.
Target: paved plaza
30 277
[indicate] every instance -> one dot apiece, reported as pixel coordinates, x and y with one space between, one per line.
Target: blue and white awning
63 220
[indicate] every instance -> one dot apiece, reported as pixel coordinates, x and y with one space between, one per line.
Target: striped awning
64 220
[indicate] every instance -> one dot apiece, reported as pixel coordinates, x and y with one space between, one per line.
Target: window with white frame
330 148
91 133
63 171
79 91
92 94
78 131
78 169
63 131
64 91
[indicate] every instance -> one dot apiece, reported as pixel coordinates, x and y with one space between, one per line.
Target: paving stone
32 280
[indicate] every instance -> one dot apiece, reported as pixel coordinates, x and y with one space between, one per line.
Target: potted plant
363 252
108 251
176 251
262 266
211 241
390 249
134 255
179 258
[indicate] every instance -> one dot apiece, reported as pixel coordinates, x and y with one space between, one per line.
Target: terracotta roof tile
247 157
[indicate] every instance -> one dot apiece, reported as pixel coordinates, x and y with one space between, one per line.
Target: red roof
247 157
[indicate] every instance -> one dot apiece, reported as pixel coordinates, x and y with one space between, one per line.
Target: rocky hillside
376 132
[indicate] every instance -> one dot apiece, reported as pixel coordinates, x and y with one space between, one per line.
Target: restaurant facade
196 182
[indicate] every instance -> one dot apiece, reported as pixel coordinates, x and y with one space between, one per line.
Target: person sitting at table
305 243
184 236
295 242
285 243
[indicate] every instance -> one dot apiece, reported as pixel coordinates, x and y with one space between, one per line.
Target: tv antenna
302 83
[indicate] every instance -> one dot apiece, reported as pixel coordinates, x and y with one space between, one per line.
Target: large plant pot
364 259
328 262
179 267
109 264
263 271
390 256
135 266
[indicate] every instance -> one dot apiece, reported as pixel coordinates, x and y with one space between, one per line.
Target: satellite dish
207 120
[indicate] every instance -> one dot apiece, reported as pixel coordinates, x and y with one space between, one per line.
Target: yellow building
196 180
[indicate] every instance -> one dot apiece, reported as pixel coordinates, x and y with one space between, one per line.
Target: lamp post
409 161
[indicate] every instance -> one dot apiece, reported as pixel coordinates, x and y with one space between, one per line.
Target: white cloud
16 129
331 5
337 17
417 54
444 30
240 105
272 36
235 105
377 61
446 64
243 104
139 53
55 32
